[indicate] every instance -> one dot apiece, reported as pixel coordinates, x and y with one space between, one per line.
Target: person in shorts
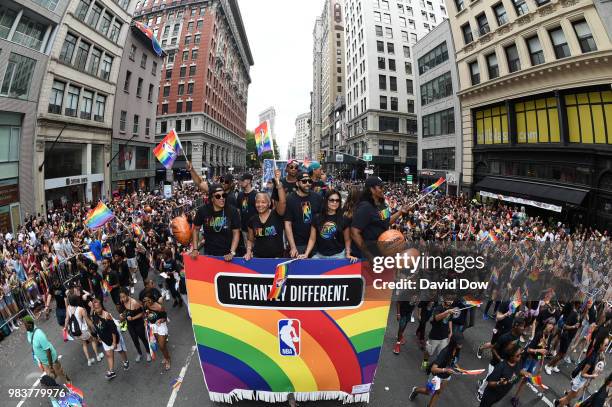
111 338
44 351
441 330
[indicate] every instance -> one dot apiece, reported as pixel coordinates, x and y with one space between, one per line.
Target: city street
144 385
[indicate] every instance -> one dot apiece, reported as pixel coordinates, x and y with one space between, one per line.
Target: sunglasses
220 196
333 200
292 167
306 181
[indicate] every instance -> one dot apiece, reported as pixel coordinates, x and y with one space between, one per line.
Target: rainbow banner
319 340
263 138
106 252
90 256
280 278
146 30
517 300
98 217
168 149
434 186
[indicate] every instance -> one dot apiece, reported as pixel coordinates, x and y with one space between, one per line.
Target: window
436 89
68 48
114 35
100 108
181 89
81 55
72 101
122 120
433 58
410 106
387 18
393 83
383 102
382 82
408 68
168 74
143 61
107 63
190 88
492 67
188 40
394 103
559 43
150 94
491 125
154 69
537 121
81 10
474 72
377 16
190 26
520 6
139 87
392 64
536 55
459 5
178 125
126 82
483 24
94 15
380 46
388 124
106 23
439 158
87 104
589 117
166 91
136 123
94 61
405 36
56 98
196 38
132 54
188 106
585 37
164 108
406 51
439 123
512 55
388 147
409 86
402 21
388 32
391 48
17 77
183 71
541 2
199 25
467 33
381 63
179 107
163 127
185 56
192 70
500 14
194 54
29 33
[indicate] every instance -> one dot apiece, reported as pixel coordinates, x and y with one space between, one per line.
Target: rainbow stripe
98 217
537 380
137 231
149 33
263 138
280 278
90 256
75 390
239 347
168 149
106 289
472 301
106 252
434 186
517 300
492 237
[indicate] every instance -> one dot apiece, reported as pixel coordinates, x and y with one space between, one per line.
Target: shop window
589 117
537 121
492 125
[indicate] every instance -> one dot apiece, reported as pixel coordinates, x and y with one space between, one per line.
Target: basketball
148 209
181 230
391 242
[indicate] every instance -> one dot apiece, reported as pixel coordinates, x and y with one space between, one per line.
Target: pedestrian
57 292
404 313
79 326
112 340
157 320
246 202
503 377
43 351
302 205
133 314
112 281
570 327
441 330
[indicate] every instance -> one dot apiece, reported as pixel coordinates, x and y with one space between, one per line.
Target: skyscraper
316 119
204 80
302 132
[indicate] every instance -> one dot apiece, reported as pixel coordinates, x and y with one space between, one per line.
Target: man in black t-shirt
503 377
302 205
503 322
441 329
570 327
112 281
246 201
122 269
129 246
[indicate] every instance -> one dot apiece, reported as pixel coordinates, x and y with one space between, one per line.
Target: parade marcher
133 313
441 330
44 351
503 377
112 281
302 205
246 202
156 318
111 338
57 292
319 186
404 313
221 226
570 327
266 228
79 326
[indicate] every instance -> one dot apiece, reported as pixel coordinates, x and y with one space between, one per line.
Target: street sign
406 170
409 179
339 158
367 157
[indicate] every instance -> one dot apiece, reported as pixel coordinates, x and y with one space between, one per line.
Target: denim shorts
341 255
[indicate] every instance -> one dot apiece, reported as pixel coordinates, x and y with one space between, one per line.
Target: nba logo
289 337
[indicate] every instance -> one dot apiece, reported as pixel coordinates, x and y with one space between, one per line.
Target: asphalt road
146 385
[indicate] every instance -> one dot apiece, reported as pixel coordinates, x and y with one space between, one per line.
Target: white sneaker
411 318
100 356
138 357
556 369
568 359
90 361
548 370
148 357
131 290
135 280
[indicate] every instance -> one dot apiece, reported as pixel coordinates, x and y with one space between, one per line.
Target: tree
253 161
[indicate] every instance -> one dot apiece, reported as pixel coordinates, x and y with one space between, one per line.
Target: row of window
439 123
99 18
180 89
179 107
85 57
437 88
388 33
70 97
135 123
178 125
182 72
143 59
536 53
139 86
29 33
433 58
18 76
438 158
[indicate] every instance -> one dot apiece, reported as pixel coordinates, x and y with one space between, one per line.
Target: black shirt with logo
330 233
440 329
371 220
218 227
502 344
246 205
301 211
496 393
268 236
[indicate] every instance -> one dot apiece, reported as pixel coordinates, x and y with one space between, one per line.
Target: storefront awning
536 191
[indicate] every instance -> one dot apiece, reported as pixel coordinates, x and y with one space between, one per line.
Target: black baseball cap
372 182
215 188
246 175
302 175
228 178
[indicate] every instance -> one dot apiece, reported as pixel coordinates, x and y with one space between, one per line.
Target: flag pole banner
318 338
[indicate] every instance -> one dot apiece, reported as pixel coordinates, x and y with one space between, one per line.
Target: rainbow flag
75 390
152 341
492 237
90 256
434 186
137 231
168 149
534 275
106 289
517 300
472 372
537 380
106 251
263 138
149 33
469 300
495 276
97 217
55 262
280 278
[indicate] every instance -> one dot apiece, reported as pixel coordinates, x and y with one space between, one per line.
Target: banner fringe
278 397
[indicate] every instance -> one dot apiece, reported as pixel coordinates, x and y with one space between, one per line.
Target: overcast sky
280 36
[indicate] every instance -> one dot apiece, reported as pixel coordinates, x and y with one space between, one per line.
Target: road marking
36 383
180 378
536 391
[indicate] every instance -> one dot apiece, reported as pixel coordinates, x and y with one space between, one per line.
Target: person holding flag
504 376
570 327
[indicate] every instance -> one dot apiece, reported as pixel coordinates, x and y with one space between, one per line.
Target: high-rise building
133 164
204 80
75 111
269 114
332 72
381 118
537 104
302 135
27 31
438 109
316 119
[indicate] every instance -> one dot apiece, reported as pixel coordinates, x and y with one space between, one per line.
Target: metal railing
26 40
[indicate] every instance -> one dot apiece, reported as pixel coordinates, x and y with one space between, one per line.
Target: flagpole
272 142
421 198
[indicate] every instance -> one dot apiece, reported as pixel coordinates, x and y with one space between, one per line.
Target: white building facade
302 133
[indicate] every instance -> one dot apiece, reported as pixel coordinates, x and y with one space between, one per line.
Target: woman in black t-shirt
330 232
265 229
